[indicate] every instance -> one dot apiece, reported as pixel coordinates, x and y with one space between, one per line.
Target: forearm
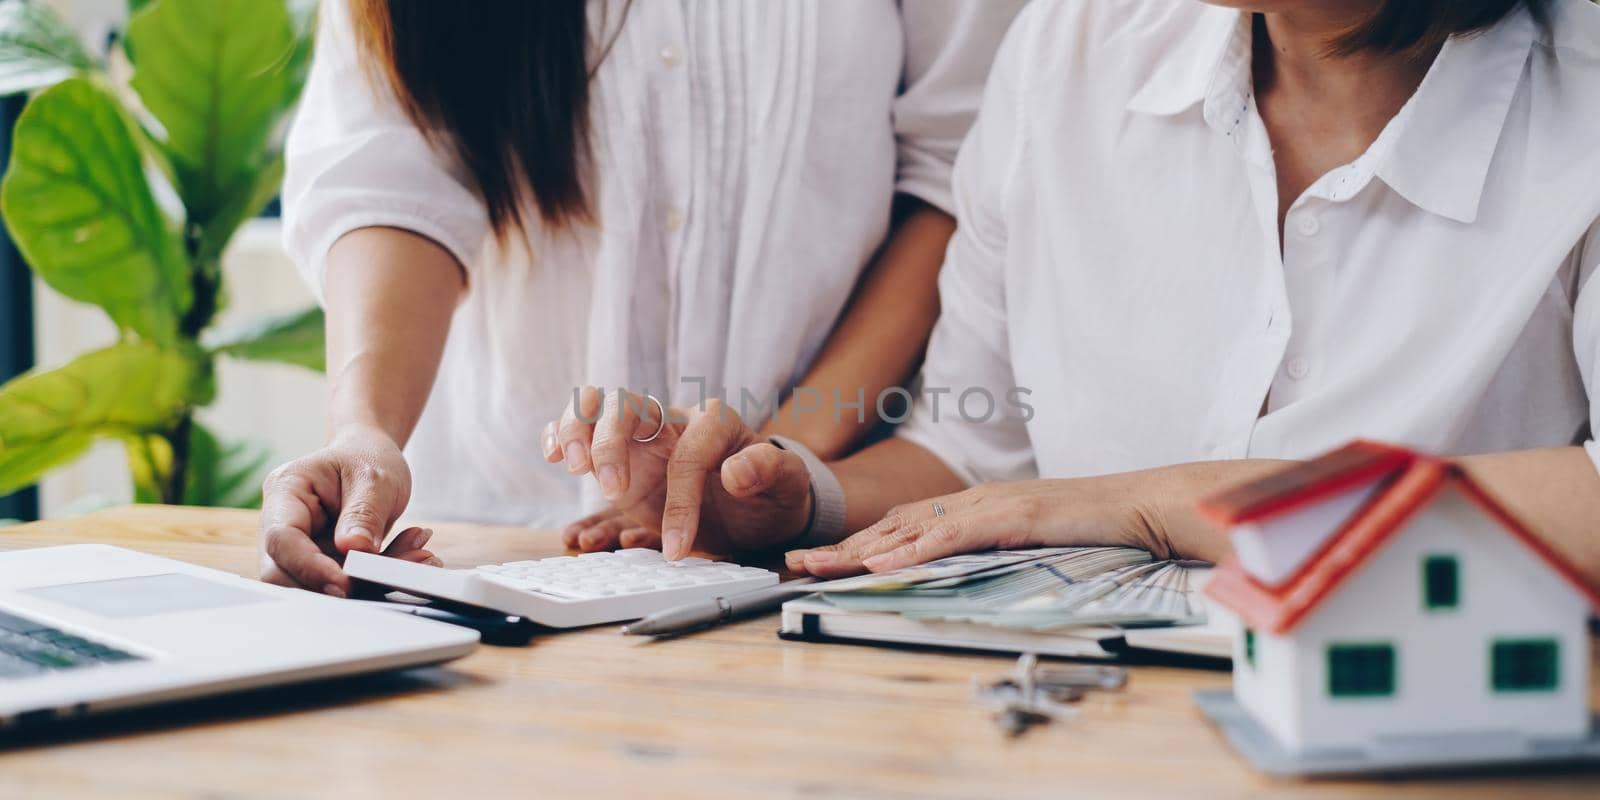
878 342
1166 501
1554 491
887 474
390 296
1163 501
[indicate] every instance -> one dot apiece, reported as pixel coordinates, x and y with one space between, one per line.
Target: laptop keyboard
30 649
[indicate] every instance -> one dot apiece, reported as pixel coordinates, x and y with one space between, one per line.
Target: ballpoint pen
716 610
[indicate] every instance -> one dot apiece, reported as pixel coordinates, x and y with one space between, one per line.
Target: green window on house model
1524 665
1361 670
1250 647
1441 583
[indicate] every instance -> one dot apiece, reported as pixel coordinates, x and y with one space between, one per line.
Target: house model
1393 615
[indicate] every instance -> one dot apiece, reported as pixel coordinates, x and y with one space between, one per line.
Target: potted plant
124 195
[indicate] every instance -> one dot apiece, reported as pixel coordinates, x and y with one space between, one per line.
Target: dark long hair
1418 27
503 85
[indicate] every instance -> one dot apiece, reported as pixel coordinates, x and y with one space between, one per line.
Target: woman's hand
608 530
1111 510
343 497
705 480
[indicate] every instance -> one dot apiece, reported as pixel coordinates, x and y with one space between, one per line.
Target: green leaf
219 474
219 76
223 474
48 418
78 205
149 463
295 338
37 48
240 206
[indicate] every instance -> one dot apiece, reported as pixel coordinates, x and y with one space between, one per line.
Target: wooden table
730 712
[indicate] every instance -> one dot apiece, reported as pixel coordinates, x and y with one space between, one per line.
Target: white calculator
568 591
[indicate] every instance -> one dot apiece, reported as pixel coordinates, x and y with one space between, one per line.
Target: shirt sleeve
354 160
1586 333
949 46
969 352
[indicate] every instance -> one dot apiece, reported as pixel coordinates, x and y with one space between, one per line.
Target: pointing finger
705 442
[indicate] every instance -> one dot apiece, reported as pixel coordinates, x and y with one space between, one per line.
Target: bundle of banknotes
1031 589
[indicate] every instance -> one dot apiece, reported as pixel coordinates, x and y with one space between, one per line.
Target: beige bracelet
826 523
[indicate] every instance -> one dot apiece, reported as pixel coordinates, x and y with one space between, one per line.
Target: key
1081 676
1016 720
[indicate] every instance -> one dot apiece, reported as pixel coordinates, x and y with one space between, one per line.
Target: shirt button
670 56
1308 225
1297 368
674 219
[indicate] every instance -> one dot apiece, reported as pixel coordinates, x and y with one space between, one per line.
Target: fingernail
610 481
574 457
821 556
742 471
671 544
366 535
422 538
333 591
434 561
550 440
879 560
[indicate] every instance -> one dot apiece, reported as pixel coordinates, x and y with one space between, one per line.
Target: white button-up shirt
745 157
1118 257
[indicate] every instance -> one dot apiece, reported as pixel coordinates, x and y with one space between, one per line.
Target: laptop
86 629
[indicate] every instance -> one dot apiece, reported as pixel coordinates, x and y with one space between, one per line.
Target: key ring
661 415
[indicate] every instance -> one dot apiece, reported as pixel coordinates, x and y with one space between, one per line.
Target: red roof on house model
1410 481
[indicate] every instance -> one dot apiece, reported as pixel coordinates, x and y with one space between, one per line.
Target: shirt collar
1445 140
1435 153
1187 72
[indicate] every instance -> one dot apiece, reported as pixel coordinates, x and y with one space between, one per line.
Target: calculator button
626 583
